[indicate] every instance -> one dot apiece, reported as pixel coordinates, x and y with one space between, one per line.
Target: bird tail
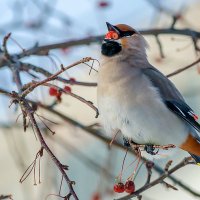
196 158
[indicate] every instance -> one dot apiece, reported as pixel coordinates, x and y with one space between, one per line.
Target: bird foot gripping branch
149 148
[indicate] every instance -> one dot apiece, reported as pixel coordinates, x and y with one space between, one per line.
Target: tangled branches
28 111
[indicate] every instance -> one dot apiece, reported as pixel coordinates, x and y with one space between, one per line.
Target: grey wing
167 89
171 96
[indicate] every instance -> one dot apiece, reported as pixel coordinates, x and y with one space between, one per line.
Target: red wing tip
195 117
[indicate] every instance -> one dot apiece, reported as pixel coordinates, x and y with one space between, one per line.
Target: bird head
122 38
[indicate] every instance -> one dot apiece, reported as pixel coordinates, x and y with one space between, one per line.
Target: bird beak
112 28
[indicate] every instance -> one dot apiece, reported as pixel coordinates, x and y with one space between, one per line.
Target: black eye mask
124 33
110 48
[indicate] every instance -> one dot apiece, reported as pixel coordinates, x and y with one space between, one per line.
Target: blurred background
92 165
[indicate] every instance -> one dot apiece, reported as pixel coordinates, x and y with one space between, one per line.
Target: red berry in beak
129 186
119 188
53 91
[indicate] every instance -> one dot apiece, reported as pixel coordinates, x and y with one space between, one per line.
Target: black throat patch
110 48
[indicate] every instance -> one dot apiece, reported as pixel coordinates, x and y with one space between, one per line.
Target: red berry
67 89
103 4
96 196
53 91
129 186
72 80
119 187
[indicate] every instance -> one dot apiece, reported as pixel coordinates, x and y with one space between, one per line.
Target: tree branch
185 162
184 68
27 67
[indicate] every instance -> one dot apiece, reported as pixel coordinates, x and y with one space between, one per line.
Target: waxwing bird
138 100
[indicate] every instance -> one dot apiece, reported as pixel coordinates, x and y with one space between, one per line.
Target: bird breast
127 101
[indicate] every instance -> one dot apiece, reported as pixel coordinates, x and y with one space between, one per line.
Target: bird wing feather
171 96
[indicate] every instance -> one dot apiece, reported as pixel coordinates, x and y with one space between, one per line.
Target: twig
88 103
149 167
53 77
184 68
174 20
4 45
29 112
169 185
27 66
160 46
169 163
139 197
5 197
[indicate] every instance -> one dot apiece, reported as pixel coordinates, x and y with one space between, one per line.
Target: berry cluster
128 187
57 93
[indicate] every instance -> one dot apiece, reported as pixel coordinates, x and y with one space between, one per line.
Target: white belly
133 106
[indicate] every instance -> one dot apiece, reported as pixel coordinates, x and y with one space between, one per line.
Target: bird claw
150 149
126 142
